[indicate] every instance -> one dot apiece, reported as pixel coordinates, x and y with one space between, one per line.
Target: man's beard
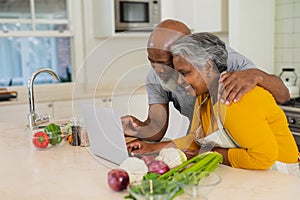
171 83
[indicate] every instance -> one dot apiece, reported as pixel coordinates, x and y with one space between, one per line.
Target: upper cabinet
199 15
104 18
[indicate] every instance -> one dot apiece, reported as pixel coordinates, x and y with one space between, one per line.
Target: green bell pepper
54 133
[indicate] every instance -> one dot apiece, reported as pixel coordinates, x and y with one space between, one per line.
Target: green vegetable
54 133
189 171
214 163
154 187
181 167
151 176
202 163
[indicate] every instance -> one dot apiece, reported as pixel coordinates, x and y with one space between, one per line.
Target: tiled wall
287 35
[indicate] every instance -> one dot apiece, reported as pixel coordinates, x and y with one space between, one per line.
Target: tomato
40 140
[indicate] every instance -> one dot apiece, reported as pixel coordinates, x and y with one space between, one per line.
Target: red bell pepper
40 140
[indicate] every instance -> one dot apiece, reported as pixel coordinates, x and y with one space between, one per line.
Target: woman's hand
190 153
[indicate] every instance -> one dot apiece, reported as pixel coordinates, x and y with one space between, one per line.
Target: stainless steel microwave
137 15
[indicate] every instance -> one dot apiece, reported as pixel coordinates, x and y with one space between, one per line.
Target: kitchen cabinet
199 15
136 105
125 104
104 18
68 108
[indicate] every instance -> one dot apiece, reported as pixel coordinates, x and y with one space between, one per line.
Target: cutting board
6 95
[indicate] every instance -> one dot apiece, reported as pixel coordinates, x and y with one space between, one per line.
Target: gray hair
198 48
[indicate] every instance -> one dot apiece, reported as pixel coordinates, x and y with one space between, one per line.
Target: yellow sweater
256 123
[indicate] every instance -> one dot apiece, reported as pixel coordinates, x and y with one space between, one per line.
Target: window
34 34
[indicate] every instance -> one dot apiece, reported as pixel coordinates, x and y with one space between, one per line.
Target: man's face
161 61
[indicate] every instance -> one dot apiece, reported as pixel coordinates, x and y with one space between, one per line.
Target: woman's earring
208 74
208 69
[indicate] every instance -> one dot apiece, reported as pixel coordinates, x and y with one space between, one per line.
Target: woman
250 134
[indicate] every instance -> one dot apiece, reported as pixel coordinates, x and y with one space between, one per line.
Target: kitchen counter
69 172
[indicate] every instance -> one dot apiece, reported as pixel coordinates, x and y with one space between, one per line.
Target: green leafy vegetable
190 171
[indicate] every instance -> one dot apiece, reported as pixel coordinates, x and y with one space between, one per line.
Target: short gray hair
198 48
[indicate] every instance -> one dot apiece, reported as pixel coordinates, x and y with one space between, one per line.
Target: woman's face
190 78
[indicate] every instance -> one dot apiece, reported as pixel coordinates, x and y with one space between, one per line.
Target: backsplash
287 35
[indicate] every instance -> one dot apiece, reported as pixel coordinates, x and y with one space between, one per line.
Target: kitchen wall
250 33
251 30
114 60
287 35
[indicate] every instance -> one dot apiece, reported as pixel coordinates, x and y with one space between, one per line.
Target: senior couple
232 105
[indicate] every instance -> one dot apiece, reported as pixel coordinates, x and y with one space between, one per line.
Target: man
235 84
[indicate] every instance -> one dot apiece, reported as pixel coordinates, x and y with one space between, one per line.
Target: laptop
105 133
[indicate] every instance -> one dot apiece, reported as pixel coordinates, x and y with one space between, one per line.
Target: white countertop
70 172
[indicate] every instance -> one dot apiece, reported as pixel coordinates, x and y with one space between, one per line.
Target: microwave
137 15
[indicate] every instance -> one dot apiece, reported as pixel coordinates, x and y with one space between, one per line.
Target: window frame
74 32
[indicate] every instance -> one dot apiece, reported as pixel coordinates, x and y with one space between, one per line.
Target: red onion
118 179
158 167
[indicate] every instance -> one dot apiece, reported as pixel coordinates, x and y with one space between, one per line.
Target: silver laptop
105 133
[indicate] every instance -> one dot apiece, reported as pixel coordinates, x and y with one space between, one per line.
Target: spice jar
76 131
84 136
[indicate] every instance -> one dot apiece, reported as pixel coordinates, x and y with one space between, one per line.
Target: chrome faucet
33 119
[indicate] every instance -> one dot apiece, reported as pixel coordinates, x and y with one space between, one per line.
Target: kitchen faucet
33 119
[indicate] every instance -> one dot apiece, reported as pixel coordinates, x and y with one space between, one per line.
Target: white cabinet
136 105
103 18
67 109
199 15
210 16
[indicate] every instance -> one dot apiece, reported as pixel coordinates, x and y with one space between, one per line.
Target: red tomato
40 140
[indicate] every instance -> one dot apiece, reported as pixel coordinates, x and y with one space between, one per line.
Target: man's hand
130 125
139 147
234 85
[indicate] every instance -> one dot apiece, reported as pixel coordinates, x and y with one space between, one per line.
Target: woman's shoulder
258 94
254 100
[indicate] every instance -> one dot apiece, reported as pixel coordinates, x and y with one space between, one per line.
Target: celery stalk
183 165
214 163
201 164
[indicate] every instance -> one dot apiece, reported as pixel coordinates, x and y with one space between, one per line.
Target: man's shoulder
151 77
